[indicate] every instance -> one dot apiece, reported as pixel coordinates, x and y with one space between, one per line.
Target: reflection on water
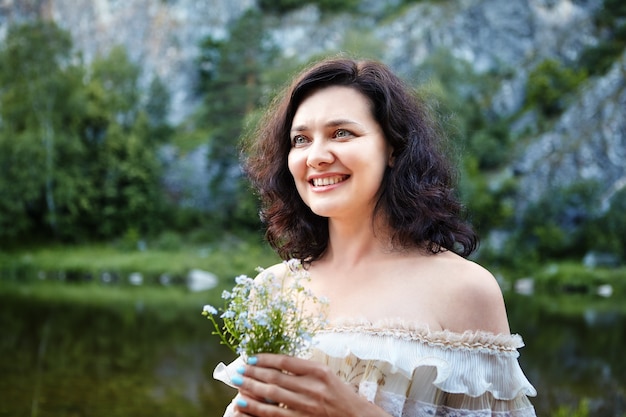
570 357
78 360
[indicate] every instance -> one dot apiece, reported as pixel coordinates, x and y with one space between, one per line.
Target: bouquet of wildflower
270 314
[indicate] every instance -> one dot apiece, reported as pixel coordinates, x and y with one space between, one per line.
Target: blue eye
342 133
299 140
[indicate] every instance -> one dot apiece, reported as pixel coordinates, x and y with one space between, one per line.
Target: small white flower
267 315
228 314
243 280
209 309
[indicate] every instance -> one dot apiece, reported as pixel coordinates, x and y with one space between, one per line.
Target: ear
392 158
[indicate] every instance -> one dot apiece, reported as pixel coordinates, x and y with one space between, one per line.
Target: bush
598 59
555 226
607 233
581 411
284 6
550 85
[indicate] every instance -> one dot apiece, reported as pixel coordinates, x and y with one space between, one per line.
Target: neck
349 243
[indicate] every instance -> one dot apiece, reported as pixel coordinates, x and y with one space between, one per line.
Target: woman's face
338 153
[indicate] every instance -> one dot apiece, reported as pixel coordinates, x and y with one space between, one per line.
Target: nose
319 154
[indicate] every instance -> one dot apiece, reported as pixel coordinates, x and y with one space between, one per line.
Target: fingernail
242 403
237 380
241 370
252 360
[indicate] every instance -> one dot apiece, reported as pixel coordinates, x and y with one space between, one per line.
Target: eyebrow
331 123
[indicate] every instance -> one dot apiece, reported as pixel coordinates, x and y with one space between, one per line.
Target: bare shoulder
278 270
474 298
282 271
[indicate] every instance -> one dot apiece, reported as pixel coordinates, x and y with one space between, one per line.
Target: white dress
410 371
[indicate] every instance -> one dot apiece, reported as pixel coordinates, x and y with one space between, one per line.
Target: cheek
294 164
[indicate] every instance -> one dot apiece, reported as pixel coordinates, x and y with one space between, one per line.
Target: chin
321 211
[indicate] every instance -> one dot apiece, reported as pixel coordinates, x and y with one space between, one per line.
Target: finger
267 385
294 374
256 387
290 364
251 407
272 378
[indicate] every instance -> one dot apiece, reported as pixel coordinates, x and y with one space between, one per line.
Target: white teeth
318 182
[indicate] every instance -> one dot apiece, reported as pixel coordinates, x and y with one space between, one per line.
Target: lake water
72 359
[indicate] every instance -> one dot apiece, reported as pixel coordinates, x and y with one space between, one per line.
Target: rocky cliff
587 141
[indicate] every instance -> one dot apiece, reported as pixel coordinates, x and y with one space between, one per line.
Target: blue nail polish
241 370
241 403
237 380
252 360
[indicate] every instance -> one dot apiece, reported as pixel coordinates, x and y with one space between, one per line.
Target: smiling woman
339 154
354 184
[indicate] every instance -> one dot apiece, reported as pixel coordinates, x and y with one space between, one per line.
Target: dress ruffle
411 371
471 363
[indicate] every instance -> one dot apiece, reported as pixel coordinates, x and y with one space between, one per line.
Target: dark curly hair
416 196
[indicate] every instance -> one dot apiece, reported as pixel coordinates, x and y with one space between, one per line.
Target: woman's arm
277 385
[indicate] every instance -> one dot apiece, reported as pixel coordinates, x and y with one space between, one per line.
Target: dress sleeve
224 373
413 373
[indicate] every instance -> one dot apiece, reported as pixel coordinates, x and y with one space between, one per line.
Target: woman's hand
277 385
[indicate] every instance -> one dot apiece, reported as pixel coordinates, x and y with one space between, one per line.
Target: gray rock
199 280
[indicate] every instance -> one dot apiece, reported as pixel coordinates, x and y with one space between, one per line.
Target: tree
157 108
550 85
556 225
232 88
123 166
39 108
76 153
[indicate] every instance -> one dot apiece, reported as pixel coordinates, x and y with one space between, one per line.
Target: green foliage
574 278
554 227
460 97
157 109
279 6
226 257
489 201
597 59
607 232
40 108
126 175
362 44
337 5
118 77
232 88
284 6
491 145
78 155
550 85
581 411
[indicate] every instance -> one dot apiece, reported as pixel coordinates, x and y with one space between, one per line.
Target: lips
326 181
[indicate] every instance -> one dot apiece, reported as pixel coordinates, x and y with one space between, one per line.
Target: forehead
333 101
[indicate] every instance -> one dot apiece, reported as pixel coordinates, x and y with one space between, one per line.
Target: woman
354 183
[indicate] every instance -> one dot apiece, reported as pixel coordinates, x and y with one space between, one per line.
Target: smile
320 182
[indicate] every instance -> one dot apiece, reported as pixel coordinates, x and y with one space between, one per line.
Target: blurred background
123 209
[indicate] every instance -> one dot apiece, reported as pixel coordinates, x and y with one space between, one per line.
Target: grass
566 286
224 259
73 275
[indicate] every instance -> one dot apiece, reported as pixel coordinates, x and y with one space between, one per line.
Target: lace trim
419 409
445 339
399 406
471 371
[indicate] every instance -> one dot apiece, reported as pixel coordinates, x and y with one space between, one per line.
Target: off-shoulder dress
411 371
